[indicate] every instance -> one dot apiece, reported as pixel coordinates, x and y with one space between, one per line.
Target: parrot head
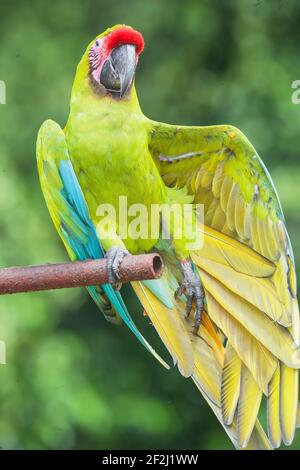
112 59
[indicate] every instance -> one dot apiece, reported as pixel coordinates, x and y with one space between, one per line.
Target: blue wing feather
86 244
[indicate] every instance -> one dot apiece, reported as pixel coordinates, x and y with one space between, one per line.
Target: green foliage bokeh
73 381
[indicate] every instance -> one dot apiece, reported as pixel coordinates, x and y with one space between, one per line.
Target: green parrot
226 309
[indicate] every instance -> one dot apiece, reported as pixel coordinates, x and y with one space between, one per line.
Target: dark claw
114 258
199 308
194 292
180 291
189 302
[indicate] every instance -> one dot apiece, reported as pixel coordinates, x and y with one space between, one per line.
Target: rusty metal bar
77 273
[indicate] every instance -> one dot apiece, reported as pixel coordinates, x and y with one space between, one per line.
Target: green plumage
110 149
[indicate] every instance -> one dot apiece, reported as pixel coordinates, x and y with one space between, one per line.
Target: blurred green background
73 381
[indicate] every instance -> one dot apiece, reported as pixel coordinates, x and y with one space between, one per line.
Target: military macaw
227 311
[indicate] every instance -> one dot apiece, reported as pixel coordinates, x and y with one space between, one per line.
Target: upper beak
118 70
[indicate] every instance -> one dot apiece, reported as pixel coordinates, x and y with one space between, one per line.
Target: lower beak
118 70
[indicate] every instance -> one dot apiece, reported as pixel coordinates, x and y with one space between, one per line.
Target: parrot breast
111 159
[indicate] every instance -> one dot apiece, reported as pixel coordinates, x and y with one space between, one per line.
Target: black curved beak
118 70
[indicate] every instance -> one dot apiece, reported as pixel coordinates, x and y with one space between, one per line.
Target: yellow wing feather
288 402
248 406
273 404
231 379
257 358
247 270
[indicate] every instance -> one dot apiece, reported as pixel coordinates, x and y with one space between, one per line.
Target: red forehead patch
125 36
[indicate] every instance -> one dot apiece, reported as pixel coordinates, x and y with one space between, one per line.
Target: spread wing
247 268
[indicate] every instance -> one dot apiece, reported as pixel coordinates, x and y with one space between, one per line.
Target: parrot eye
97 44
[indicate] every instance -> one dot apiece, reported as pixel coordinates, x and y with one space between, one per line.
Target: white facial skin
97 58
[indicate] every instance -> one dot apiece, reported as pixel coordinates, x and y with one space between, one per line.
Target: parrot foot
192 288
114 257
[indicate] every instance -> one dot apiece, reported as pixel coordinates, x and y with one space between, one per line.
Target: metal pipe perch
78 273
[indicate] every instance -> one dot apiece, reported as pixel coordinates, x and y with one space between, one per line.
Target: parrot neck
85 99
85 95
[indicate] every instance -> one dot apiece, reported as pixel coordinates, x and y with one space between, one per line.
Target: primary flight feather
227 310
